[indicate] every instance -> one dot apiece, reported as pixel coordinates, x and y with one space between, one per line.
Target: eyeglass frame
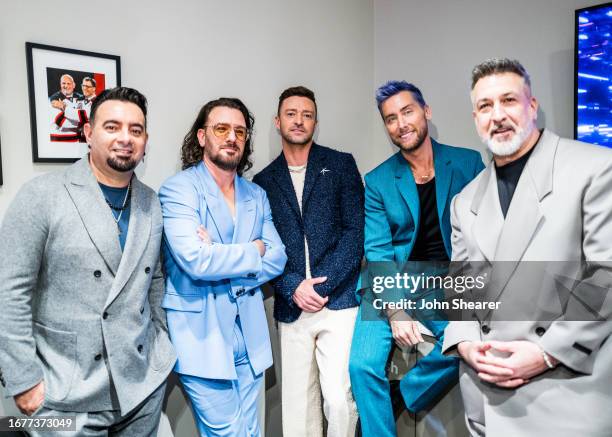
247 131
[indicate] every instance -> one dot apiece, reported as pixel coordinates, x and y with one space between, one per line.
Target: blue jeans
420 387
226 408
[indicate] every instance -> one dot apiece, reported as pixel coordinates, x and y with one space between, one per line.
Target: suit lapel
489 218
245 212
283 181
139 232
95 214
444 176
316 163
404 182
217 208
524 214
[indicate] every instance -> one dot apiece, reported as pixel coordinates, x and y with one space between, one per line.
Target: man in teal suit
220 245
407 218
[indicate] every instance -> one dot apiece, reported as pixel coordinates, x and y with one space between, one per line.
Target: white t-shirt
298 176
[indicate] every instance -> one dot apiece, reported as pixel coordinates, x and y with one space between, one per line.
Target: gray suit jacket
561 211
76 312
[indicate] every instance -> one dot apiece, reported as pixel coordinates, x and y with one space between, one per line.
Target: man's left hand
524 359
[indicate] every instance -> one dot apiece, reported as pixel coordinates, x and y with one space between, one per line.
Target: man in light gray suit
543 198
82 331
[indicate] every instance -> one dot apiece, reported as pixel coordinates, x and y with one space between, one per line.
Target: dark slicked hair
498 66
90 80
191 151
394 87
299 91
123 94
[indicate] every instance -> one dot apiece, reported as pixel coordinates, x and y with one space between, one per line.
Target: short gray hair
498 66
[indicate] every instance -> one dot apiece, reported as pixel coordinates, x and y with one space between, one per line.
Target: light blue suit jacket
208 285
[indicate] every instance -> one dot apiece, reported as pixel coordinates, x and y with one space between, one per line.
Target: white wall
436 43
184 53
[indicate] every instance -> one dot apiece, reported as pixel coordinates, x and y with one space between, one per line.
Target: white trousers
315 352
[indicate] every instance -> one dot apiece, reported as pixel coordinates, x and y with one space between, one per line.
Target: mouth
298 130
502 131
123 152
407 135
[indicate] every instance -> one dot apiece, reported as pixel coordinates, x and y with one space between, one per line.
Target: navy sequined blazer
332 220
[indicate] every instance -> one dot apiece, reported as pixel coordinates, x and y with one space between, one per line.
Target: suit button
105 315
141 310
97 273
485 329
252 292
147 270
540 331
140 348
98 357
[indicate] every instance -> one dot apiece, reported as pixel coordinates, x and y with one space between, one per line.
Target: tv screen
593 80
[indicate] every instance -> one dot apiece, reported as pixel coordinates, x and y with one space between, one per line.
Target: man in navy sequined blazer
316 195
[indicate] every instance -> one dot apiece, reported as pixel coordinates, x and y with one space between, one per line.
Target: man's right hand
475 353
307 298
30 400
406 332
261 247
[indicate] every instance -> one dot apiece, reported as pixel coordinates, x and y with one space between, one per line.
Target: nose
124 136
498 113
299 120
231 136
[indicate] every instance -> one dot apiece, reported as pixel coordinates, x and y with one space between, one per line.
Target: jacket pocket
183 302
57 352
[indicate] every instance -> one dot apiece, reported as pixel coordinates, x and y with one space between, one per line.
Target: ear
277 122
201 134
534 105
427 112
87 130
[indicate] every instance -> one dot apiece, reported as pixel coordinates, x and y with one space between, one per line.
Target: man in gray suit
542 198
82 332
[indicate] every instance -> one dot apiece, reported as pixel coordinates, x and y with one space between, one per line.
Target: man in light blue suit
407 219
220 246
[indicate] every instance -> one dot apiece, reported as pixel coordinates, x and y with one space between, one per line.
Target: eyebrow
137 124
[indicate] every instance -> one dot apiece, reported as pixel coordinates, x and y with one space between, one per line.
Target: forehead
223 114
67 79
119 111
396 102
495 85
300 103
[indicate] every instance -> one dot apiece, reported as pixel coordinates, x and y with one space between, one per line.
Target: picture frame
62 83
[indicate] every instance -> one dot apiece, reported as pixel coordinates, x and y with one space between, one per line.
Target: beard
418 142
227 163
511 146
122 165
297 142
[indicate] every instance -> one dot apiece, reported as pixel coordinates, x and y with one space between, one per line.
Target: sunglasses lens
221 130
240 133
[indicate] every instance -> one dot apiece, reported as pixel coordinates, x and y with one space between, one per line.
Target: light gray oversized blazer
68 295
561 211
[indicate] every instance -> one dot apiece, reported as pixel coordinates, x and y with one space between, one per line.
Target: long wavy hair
192 152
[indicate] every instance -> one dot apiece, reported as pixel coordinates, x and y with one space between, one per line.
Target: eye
308 116
136 131
484 106
407 112
509 100
110 128
290 113
390 120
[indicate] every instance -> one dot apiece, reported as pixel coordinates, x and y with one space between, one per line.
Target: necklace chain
123 206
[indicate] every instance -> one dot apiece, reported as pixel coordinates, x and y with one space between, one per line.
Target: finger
411 338
494 370
512 383
318 280
482 346
502 346
317 299
493 360
492 378
402 340
417 333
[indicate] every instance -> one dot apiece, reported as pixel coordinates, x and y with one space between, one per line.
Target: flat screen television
593 75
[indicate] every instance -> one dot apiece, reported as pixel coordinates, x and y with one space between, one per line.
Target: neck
296 154
110 177
531 141
223 178
420 159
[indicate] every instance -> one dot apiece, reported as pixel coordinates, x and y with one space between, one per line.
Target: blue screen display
594 75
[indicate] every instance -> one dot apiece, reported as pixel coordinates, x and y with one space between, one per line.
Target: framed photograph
62 84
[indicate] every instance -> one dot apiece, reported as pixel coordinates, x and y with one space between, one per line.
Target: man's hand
30 400
203 234
58 104
524 359
307 298
476 354
260 246
406 332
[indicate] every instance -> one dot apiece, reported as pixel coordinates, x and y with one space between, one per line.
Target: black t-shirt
118 197
507 179
429 245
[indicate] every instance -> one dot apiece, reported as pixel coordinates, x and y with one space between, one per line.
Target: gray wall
184 53
436 43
